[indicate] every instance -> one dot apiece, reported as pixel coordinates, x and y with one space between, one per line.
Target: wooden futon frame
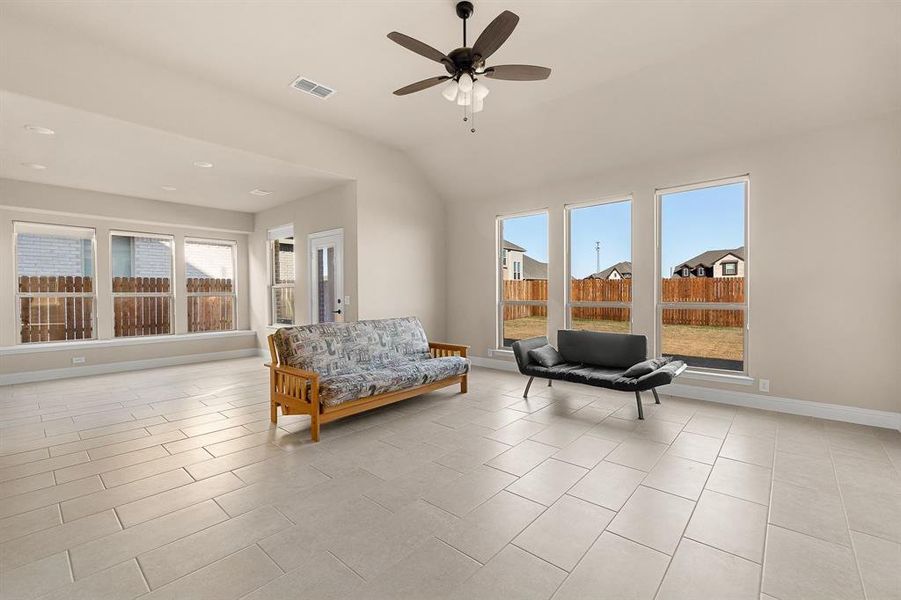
297 391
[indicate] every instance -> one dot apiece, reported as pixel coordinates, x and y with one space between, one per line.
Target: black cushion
546 356
645 367
616 350
596 376
521 350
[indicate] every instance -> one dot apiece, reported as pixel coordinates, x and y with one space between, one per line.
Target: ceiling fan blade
518 72
420 85
495 34
418 47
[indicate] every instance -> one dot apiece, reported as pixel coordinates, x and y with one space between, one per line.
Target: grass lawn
683 340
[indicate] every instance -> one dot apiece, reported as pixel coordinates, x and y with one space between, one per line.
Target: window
703 321
730 269
599 259
142 284
505 257
700 271
210 272
685 272
56 295
522 292
281 275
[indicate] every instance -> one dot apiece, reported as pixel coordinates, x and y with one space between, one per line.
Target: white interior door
327 276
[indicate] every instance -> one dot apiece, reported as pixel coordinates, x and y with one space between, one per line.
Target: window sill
498 353
129 341
718 377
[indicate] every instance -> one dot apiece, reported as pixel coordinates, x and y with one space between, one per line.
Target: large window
210 272
281 275
522 277
142 284
600 266
56 295
702 307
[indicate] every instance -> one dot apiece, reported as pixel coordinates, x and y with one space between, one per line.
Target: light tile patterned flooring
171 483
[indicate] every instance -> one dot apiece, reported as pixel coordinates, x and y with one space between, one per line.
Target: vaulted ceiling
631 81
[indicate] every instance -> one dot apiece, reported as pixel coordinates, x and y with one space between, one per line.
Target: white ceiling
632 80
99 153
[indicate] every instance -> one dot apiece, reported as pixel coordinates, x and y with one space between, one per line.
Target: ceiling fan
465 64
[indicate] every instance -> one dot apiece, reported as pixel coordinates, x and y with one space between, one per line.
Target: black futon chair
614 361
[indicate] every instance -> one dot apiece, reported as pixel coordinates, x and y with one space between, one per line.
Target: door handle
337 312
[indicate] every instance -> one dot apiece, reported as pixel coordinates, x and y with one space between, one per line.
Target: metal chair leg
549 382
640 409
656 397
525 394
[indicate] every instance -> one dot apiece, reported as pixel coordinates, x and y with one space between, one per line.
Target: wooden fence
56 308
689 289
211 305
145 308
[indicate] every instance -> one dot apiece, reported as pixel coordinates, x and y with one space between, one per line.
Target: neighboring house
533 269
714 263
621 270
518 266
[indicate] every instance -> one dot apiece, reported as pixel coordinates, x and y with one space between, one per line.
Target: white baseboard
821 410
127 365
494 363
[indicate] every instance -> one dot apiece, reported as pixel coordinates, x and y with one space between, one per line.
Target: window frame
660 306
568 303
274 287
173 325
19 295
499 273
234 293
731 263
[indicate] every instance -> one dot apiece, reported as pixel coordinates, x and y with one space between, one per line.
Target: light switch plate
346 300
78 360
763 385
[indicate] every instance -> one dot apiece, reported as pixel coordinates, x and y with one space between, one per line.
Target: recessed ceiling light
40 130
168 188
203 164
259 192
35 166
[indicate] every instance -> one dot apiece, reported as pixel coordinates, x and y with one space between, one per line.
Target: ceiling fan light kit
464 63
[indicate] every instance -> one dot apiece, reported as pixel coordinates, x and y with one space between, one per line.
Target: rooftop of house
533 269
511 246
706 259
624 268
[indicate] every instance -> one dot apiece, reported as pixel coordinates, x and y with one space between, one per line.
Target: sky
692 222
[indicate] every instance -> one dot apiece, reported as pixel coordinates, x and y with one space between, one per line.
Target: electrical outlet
78 360
763 385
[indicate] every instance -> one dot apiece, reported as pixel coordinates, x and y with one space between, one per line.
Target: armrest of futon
661 376
439 349
295 383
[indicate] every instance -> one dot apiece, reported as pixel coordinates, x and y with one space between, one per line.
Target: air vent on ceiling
311 87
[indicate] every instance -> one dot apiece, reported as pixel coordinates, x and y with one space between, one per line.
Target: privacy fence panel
211 304
142 306
688 289
56 308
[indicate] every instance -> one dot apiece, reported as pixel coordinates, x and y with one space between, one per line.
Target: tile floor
171 483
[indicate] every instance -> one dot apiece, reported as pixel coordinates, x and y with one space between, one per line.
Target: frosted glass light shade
477 104
480 90
465 83
464 99
450 89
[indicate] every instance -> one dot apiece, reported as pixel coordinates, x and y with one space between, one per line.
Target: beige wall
331 209
20 201
835 193
401 218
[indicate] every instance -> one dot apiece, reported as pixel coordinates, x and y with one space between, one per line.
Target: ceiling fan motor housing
465 9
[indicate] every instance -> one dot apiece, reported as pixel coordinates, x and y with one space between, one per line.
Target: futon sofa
614 361
333 370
